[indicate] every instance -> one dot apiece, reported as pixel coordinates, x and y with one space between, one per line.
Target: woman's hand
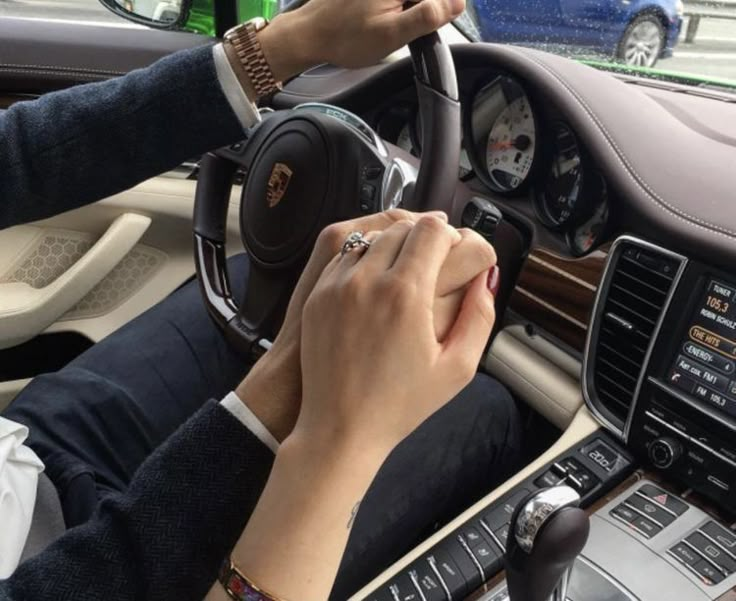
374 369
373 366
273 388
349 33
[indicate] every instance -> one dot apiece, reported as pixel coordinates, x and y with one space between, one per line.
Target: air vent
634 295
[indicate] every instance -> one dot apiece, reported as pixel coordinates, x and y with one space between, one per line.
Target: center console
659 480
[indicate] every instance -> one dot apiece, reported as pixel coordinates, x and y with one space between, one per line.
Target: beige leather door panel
92 270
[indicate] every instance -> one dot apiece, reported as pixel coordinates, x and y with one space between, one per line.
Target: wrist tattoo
353 513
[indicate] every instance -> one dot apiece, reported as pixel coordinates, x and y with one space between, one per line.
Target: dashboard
621 191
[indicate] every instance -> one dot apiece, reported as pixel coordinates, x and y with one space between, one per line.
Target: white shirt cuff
246 417
245 110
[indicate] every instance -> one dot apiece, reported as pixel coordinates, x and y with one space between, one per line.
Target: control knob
663 452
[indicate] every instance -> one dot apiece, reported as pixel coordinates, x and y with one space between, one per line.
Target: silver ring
354 241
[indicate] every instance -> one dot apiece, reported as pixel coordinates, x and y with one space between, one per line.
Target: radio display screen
705 366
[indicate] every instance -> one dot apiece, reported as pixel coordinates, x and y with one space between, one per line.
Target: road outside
713 53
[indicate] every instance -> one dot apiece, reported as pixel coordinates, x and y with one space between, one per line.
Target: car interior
608 199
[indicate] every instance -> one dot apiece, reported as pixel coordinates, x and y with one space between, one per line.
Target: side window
70 10
196 16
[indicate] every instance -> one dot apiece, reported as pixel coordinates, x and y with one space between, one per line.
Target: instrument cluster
520 152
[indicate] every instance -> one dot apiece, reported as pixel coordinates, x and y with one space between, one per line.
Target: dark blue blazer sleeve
165 538
80 145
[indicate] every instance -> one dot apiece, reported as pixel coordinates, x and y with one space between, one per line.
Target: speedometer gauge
510 151
504 134
557 201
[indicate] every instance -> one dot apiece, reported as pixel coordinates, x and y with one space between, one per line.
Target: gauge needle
522 142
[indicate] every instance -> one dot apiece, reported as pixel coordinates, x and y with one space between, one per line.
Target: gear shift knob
548 531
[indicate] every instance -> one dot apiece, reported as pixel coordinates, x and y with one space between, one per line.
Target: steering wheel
306 168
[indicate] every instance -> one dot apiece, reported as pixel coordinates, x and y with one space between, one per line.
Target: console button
488 556
712 552
579 477
502 534
449 572
549 478
707 572
646 527
470 573
723 537
624 513
664 498
682 381
685 554
472 535
651 509
429 583
403 589
501 515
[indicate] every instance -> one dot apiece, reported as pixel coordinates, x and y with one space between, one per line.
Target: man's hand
272 390
349 33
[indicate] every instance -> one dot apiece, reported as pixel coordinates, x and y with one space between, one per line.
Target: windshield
693 41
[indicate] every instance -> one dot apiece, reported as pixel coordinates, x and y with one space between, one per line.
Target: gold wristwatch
243 48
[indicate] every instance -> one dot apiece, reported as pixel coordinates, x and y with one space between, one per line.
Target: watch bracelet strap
238 586
253 61
240 73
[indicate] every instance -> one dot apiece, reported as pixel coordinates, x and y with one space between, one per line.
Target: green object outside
202 15
690 79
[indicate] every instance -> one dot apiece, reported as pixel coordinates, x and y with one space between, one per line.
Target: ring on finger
355 241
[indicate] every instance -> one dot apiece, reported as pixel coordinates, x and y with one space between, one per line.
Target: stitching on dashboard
631 172
54 68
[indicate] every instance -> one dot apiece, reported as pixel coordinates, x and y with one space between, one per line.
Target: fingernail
455 234
494 280
440 214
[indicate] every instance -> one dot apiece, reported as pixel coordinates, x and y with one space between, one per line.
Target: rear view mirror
160 14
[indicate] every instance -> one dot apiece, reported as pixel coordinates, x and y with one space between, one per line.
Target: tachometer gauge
585 237
504 134
557 201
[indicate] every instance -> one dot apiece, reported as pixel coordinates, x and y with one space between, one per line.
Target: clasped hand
373 364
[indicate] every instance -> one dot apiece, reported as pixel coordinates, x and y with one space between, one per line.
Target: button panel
473 553
708 552
651 509
668 501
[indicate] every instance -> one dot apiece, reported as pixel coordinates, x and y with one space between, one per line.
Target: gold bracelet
239 587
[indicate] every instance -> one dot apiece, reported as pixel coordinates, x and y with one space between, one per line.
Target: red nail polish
494 280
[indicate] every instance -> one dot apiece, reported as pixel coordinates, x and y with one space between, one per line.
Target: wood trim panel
558 293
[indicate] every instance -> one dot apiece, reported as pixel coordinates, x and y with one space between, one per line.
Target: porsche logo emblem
278 183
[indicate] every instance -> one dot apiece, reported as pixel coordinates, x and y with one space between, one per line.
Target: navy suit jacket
186 507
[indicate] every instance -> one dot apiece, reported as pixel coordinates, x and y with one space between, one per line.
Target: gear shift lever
548 531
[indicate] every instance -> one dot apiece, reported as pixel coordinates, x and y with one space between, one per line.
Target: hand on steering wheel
306 168
273 389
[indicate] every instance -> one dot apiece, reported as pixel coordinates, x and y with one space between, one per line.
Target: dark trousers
95 421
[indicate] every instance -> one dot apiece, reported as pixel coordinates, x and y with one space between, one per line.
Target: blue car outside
637 32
